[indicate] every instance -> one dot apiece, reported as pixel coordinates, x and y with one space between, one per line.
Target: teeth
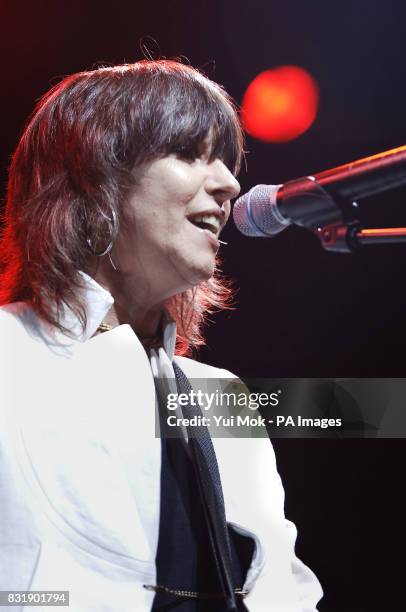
210 220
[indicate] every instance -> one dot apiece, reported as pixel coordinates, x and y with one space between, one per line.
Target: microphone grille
256 212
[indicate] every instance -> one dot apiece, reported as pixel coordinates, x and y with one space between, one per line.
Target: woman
117 194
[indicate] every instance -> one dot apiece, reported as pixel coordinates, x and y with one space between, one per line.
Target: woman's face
175 213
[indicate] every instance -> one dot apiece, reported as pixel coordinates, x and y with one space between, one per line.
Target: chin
201 274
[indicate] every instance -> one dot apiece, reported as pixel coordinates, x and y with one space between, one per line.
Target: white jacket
80 471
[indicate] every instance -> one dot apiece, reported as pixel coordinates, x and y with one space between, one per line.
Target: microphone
315 201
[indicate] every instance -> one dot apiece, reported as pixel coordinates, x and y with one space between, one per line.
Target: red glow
386 231
280 104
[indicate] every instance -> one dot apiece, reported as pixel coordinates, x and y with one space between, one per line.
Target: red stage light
280 104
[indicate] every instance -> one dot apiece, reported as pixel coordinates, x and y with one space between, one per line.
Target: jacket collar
97 301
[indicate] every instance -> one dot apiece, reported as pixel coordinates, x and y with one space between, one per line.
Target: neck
145 323
134 305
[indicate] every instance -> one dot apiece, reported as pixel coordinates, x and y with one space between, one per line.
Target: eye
187 152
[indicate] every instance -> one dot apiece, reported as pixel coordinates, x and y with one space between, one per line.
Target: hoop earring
113 265
113 231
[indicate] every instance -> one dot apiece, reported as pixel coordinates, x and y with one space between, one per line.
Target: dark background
301 311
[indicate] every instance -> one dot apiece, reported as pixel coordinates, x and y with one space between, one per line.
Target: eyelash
188 152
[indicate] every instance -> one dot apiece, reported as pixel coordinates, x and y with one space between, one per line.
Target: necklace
103 327
148 341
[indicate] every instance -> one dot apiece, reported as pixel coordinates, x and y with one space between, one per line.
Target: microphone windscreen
256 213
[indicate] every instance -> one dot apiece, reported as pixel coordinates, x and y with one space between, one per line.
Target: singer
118 191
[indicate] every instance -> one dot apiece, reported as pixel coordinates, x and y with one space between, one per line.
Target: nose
221 183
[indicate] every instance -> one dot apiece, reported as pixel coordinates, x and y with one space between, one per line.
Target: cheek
158 234
166 209
149 220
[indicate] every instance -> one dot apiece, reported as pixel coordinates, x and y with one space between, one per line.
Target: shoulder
11 322
196 369
21 333
18 324
16 315
222 379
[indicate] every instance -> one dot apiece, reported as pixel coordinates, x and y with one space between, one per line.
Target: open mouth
208 222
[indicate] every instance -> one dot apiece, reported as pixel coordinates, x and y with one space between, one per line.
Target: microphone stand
348 237
334 194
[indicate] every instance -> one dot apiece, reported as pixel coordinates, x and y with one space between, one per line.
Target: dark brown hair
74 165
